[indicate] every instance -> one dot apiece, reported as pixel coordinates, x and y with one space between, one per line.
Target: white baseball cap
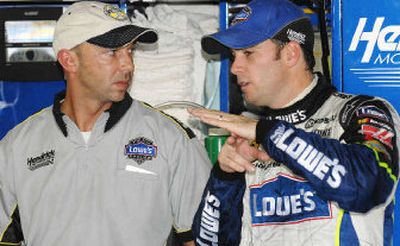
98 23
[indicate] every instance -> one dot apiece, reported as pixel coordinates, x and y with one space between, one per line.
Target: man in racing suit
327 162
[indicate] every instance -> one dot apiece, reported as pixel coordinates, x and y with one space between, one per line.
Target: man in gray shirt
97 167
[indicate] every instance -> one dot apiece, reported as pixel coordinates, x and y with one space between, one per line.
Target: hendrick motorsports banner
371 48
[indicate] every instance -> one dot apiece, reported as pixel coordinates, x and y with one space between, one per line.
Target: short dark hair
308 55
309 58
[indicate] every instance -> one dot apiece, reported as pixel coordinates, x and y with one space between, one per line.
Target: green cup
214 142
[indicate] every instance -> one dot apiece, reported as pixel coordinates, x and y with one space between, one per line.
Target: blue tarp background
19 100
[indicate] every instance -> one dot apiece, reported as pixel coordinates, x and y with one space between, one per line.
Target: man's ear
293 53
68 60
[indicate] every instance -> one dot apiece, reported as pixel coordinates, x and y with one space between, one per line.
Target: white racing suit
331 182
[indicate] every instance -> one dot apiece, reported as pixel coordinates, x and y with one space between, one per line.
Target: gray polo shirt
140 173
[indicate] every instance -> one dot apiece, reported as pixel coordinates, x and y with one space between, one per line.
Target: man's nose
236 66
126 61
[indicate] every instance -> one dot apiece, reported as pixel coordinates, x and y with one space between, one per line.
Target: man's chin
249 99
117 97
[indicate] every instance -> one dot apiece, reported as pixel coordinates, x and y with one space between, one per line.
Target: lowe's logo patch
323 167
295 117
140 149
209 225
286 200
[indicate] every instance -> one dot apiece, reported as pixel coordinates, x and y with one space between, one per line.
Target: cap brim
123 35
148 36
223 41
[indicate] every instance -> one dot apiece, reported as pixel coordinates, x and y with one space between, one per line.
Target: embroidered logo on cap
140 149
242 16
296 36
115 13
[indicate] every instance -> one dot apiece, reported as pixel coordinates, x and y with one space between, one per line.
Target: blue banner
19 100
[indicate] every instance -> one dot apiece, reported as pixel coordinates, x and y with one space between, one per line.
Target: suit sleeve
10 225
218 218
359 171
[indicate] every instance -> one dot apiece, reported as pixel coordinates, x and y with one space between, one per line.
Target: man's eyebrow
128 45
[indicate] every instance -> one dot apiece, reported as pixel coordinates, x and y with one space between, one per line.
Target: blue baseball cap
261 20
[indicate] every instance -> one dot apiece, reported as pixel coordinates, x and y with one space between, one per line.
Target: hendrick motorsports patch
140 149
45 159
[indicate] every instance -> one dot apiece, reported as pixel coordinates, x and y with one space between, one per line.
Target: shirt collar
305 104
304 92
116 111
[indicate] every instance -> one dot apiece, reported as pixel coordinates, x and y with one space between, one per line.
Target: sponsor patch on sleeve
286 200
371 111
383 135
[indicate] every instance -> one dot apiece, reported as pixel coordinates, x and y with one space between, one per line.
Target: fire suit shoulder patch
187 131
348 111
296 202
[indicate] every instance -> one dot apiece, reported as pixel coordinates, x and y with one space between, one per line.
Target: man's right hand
237 154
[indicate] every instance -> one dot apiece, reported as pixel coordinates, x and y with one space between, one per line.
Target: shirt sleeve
359 171
10 225
189 179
